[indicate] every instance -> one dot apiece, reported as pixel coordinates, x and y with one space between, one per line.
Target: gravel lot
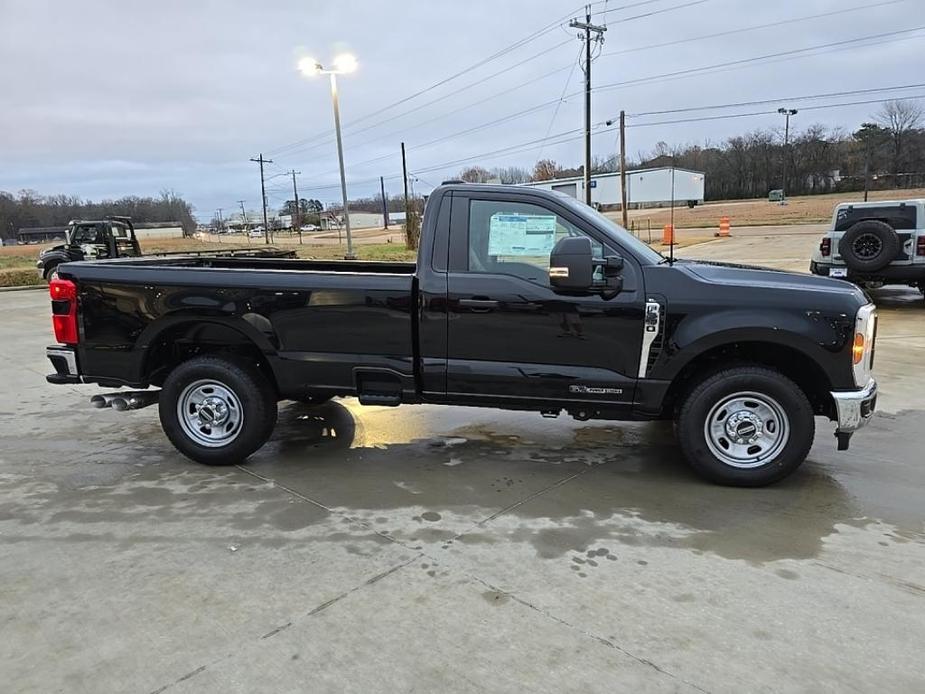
454 550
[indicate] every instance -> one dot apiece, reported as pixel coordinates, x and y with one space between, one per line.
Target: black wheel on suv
869 245
746 426
217 410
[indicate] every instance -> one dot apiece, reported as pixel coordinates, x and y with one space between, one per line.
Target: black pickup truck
520 299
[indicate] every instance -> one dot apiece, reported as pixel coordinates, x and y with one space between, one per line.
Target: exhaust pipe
100 401
135 400
127 400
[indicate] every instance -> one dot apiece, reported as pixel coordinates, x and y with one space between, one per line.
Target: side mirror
571 264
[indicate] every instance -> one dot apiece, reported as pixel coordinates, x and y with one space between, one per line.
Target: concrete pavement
453 549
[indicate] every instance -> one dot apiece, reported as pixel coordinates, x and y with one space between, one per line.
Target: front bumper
64 359
855 407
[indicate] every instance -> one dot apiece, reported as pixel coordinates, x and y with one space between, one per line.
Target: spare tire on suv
869 245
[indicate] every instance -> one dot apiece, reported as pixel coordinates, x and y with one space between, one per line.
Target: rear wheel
217 410
746 426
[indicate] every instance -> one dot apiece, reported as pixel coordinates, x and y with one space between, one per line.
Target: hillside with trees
29 209
819 158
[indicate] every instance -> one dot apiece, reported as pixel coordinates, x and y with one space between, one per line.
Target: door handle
479 305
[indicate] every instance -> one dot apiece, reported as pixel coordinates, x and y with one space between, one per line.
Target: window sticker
521 234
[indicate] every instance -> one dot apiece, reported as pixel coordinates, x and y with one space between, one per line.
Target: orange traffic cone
724 227
668 235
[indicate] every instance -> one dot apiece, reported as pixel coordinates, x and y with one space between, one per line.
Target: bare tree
545 170
899 117
475 174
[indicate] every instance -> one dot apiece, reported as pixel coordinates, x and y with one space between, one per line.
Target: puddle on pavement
569 486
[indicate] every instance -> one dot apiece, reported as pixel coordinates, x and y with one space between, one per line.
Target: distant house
41 234
360 220
644 187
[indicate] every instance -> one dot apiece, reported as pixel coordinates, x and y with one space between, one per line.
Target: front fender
824 339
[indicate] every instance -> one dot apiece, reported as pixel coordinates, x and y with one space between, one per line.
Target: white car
309 227
256 233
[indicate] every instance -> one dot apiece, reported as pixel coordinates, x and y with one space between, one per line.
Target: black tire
869 246
252 397
761 387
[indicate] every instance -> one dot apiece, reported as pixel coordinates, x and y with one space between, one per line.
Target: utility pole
786 112
296 211
263 194
221 222
598 31
866 166
243 215
623 167
385 203
404 175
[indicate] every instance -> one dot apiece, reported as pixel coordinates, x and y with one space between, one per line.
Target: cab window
88 233
516 238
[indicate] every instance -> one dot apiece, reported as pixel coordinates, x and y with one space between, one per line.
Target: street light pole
340 159
342 64
786 112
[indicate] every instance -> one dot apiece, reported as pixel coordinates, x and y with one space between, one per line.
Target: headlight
862 350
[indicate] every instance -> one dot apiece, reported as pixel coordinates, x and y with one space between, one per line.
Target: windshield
614 230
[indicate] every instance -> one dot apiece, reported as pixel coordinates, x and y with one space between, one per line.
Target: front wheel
746 426
217 410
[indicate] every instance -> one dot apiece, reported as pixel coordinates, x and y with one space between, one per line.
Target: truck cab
111 237
520 299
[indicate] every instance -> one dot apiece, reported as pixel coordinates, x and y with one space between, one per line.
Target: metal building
644 187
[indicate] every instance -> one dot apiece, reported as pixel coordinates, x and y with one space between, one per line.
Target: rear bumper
855 407
64 359
888 274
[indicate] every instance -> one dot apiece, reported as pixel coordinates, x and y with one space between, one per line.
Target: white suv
875 243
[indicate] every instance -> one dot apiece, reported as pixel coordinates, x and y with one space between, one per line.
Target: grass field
807 209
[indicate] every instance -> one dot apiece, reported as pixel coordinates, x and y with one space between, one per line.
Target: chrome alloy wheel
747 430
210 413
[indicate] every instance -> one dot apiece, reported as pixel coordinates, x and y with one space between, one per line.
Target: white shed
643 186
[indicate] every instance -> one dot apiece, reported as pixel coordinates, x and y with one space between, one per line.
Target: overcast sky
125 97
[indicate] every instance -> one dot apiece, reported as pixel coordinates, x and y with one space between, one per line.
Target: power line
559 101
774 101
617 85
313 142
689 71
484 61
659 11
764 113
756 27
302 144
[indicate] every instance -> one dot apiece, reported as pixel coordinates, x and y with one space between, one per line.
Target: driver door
510 335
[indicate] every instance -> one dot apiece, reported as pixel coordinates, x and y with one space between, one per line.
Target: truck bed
319 320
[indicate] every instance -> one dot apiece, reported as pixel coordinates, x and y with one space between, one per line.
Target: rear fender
253 328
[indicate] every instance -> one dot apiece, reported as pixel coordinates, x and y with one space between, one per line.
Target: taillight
920 245
825 246
64 310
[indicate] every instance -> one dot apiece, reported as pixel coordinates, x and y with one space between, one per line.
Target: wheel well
187 340
792 363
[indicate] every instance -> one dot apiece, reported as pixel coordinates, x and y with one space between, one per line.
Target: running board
382 399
